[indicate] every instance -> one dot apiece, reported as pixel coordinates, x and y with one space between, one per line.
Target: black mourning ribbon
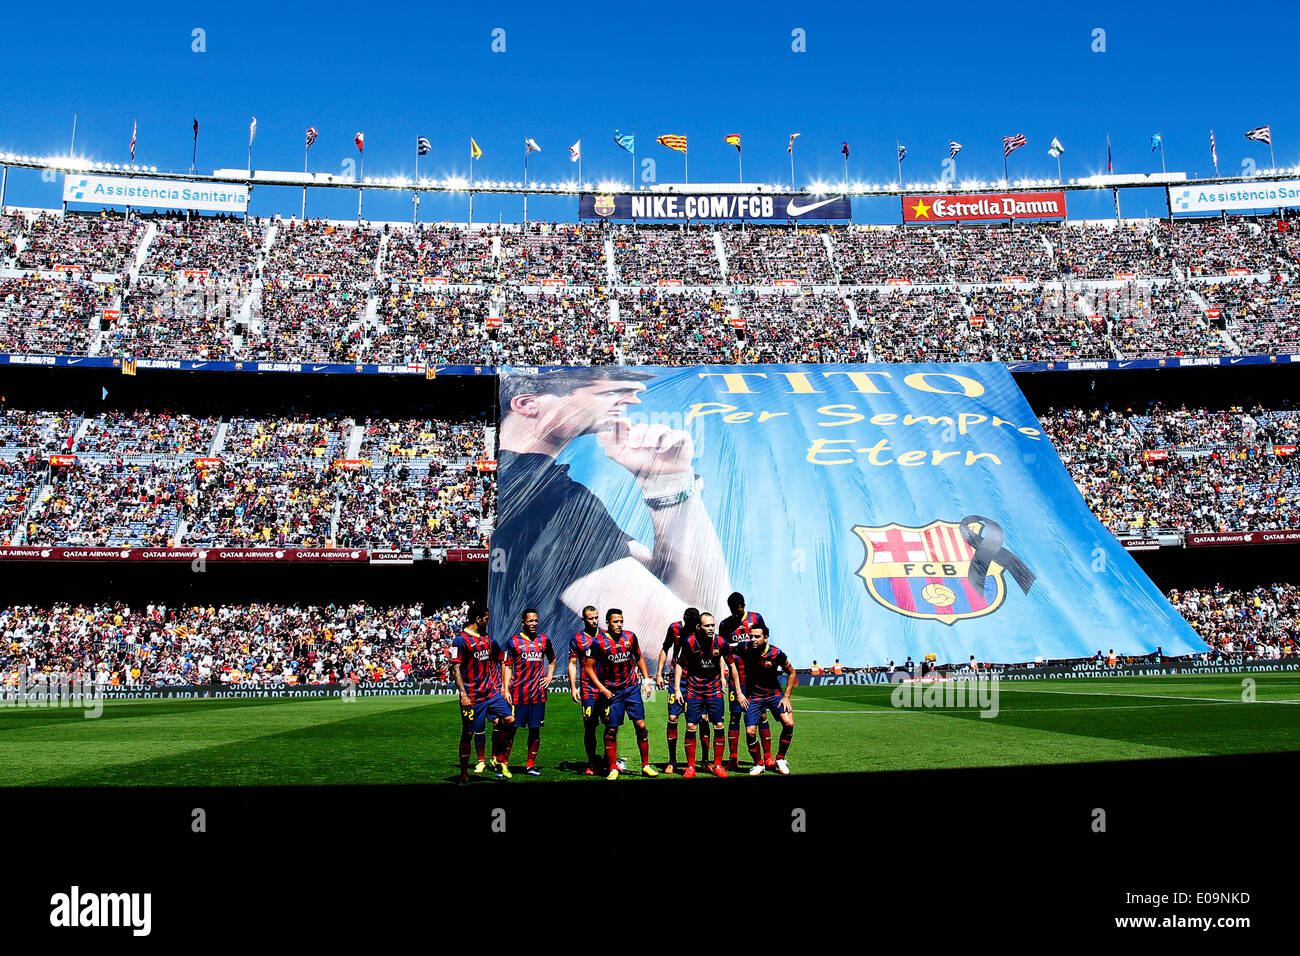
987 543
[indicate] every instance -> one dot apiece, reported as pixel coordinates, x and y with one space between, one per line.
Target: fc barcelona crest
604 205
945 571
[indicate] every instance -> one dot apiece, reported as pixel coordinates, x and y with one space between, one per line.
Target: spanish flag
474 151
673 141
734 140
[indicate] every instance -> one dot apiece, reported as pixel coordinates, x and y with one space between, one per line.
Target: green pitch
378 740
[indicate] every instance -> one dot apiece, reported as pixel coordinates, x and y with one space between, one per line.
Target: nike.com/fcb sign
741 206
970 208
154 193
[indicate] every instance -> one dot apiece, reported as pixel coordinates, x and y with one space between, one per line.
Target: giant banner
154 193
684 206
974 207
868 512
1212 198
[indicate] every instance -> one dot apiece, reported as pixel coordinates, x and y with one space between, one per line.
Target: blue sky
871 75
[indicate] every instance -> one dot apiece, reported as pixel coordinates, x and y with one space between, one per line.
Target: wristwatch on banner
671 490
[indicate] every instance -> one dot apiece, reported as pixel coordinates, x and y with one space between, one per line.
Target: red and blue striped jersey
528 659
735 632
578 645
480 664
672 650
615 658
702 668
762 670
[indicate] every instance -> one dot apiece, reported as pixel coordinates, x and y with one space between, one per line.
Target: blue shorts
712 708
733 704
476 713
530 715
758 706
595 708
675 705
627 702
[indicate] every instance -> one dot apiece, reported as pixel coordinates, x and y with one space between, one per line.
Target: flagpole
526 152
740 166
686 161
415 195
846 172
470 220
1006 176
898 150
1058 169
304 187
791 164
72 150
194 158
1271 160
361 178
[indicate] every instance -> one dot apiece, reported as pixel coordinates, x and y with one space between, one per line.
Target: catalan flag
128 366
673 141
793 136
733 139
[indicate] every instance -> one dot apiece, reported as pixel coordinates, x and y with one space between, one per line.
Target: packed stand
567 327
214 249
573 253
310 320
286 438
161 319
50 315
648 256
1212 248
116 645
992 253
94 243
101 503
763 254
436 326
1261 623
456 255
877 255
1039 325
264 504
1154 322
1179 471
780 327
1261 317
146 434
675 328
921 326
1132 250
34 431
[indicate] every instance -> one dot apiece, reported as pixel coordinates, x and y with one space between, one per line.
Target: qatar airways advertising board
984 206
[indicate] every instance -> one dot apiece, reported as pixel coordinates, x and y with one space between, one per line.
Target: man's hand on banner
648 451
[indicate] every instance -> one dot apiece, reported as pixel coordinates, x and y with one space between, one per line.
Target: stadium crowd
1182 470
116 645
1260 623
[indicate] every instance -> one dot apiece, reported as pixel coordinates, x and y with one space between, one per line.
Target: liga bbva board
868 512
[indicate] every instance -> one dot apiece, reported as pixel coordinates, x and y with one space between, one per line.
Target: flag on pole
954 148
196 129
1261 134
252 131
311 136
134 126
844 148
422 146
1156 142
1012 143
1109 166
1214 151
1055 150
474 151
793 136
902 152
360 140
673 141
575 152
531 145
733 139
626 140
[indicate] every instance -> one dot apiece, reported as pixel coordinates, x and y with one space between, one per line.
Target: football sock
786 734
464 753
611 748
589 741
672 741
733 735
480 741
751 741
534 743
765 732
643 743
690 747
718 745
